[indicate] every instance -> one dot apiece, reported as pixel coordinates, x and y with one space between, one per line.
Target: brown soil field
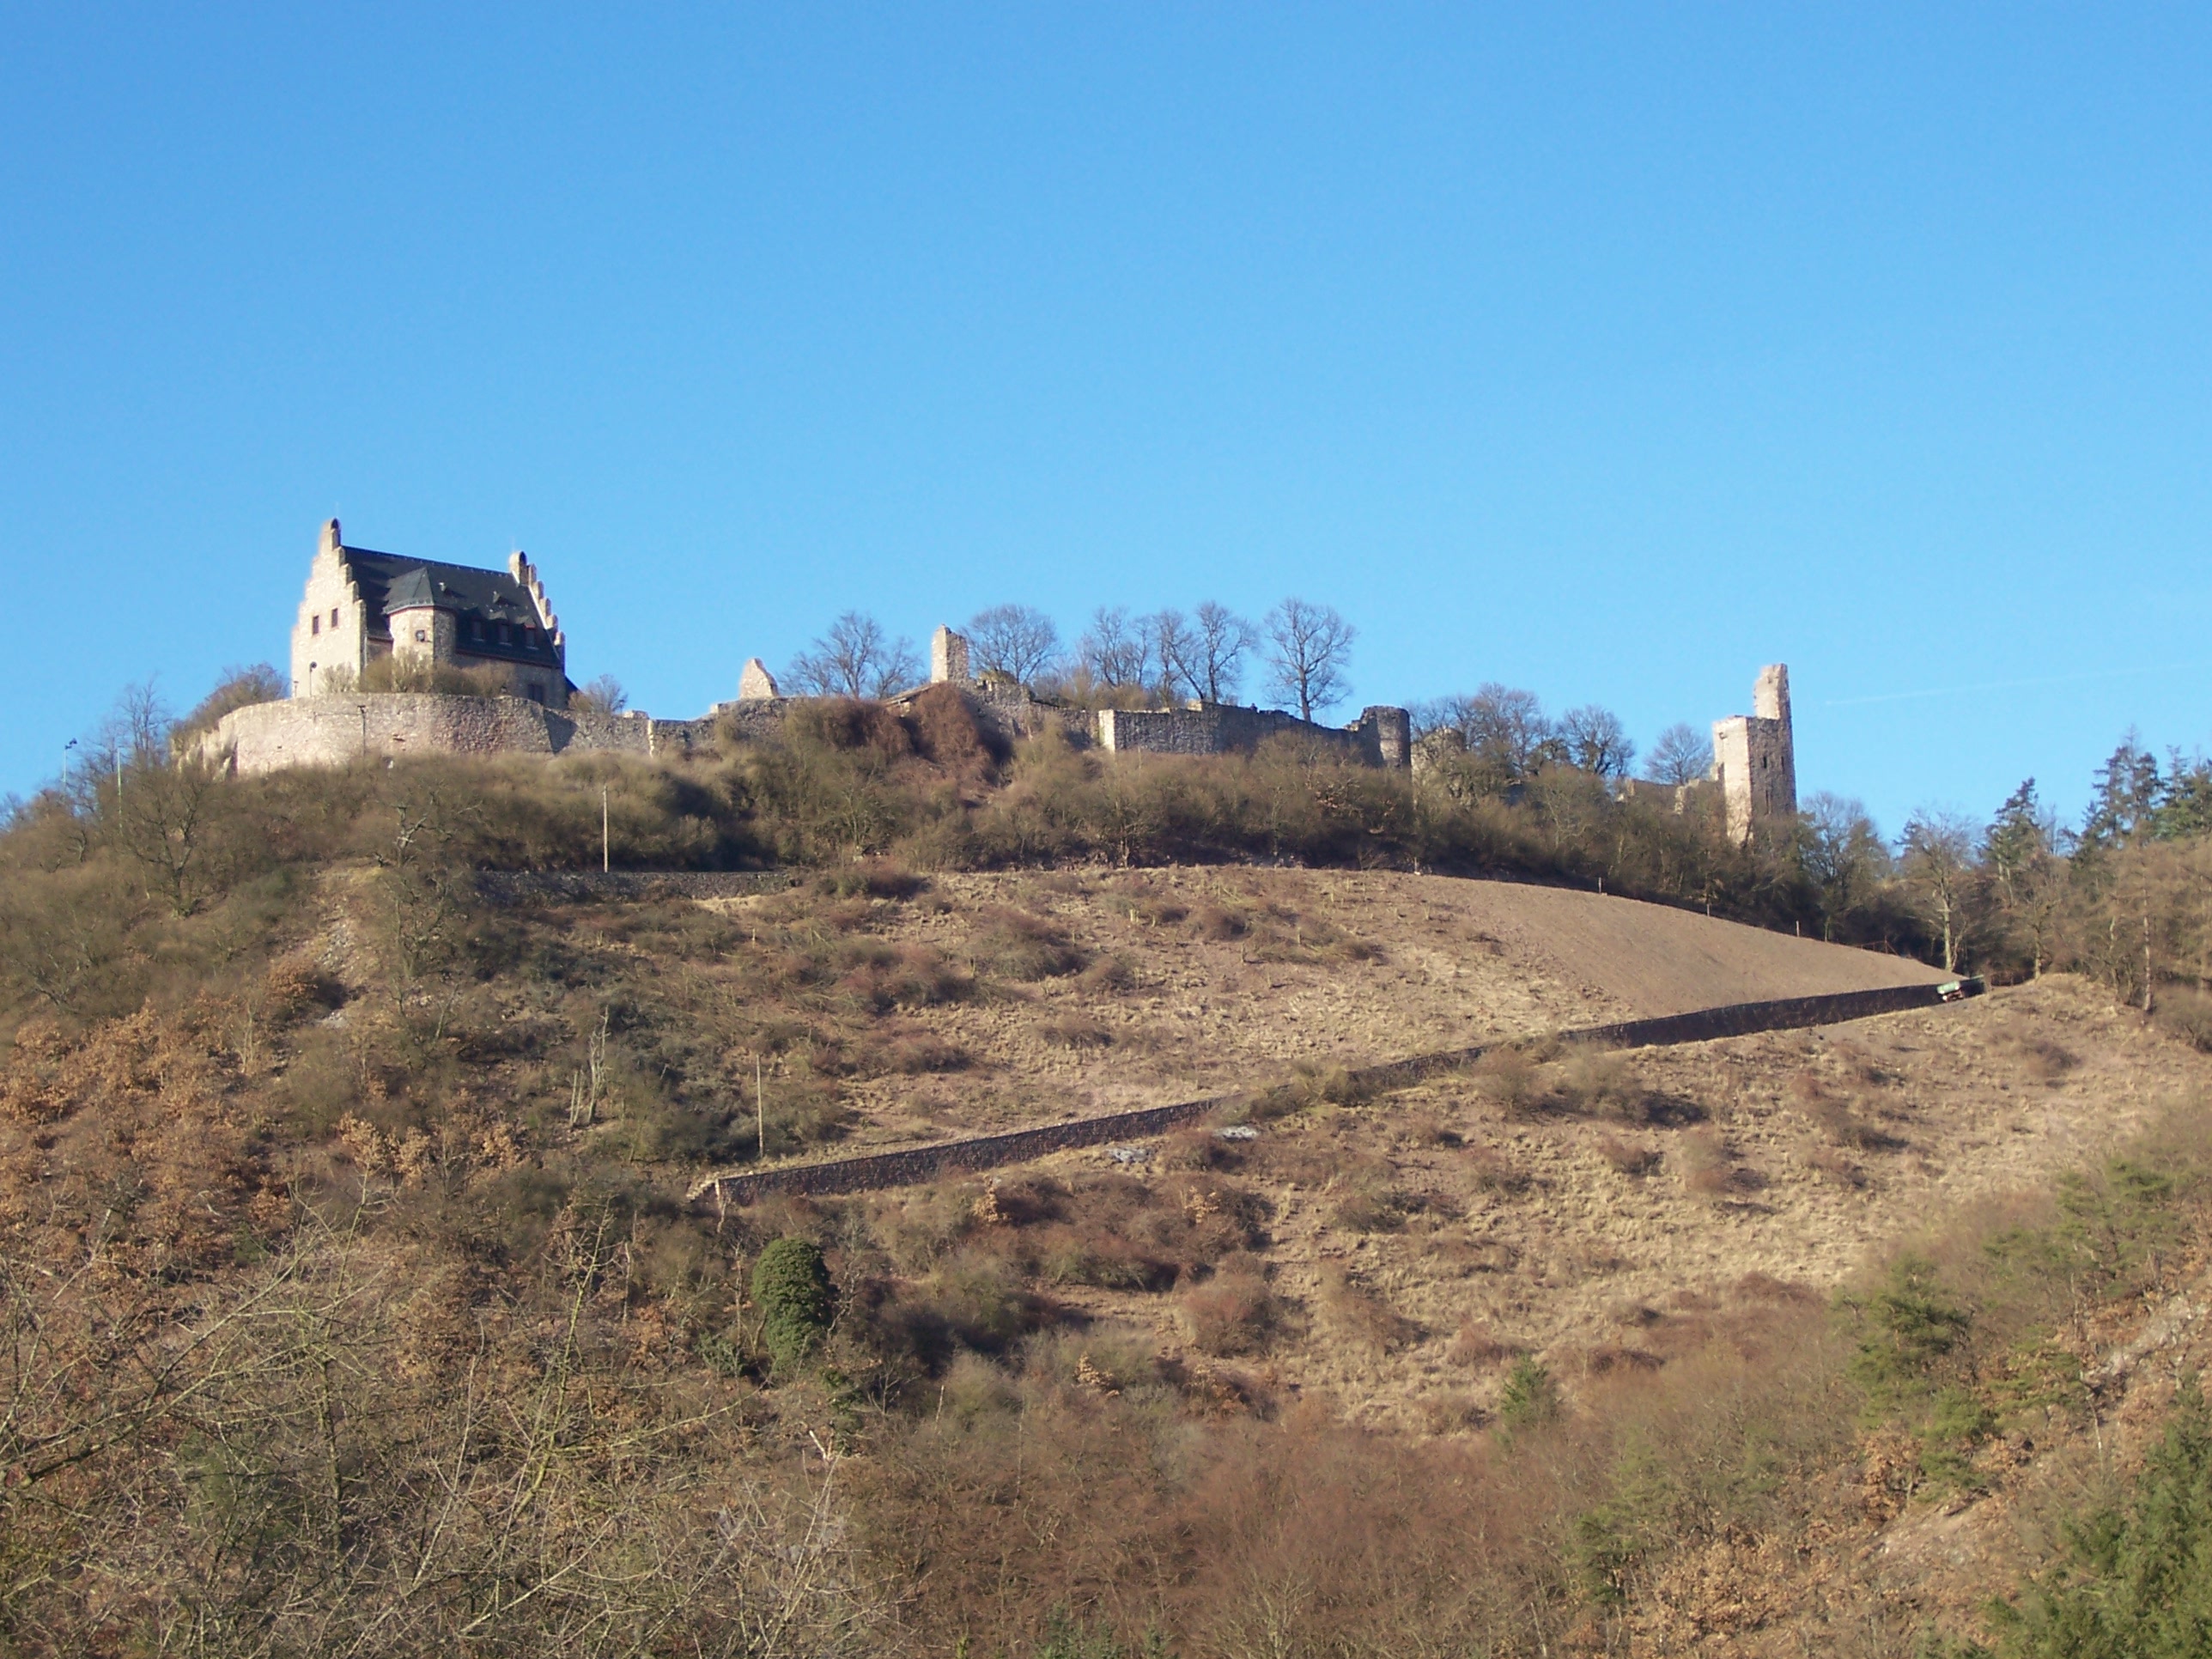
1198 980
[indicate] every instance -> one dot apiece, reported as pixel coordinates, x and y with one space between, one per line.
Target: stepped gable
362 606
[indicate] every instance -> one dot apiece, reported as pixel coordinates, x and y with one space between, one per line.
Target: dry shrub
1108 974
1150 908
1606 1358
1449 1413
1430 1128
1592 1080
1626 1156
913 1053
1708 1166
1218 922
1372 1210
1507 1078
1472 1255
1474 1347
1361 1311
2187 1014
1493 1173
1832 1163
1021 945
847 723
947 734
902 976
1834 1116
1233 1313
1074 1031
1756 1286
1859 1066
882 878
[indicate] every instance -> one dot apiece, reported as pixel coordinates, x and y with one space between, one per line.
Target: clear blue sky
1611 351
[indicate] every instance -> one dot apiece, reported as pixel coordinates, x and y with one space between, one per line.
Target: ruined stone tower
948 657
1754 757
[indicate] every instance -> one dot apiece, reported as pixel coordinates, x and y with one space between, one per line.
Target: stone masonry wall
334 730
912 1166
1380 737
1754 757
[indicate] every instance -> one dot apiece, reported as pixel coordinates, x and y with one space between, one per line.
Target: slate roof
389 582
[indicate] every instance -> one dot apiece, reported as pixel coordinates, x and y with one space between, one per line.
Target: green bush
792 1290
2137 1584
1530 1396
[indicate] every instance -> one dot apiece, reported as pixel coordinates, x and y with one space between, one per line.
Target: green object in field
797 1300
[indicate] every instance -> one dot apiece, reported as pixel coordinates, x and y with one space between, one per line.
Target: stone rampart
912 1166
1380 737
334 731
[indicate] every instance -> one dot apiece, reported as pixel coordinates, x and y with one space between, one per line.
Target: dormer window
505 637
530 637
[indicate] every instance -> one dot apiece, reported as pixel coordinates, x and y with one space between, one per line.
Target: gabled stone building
362 606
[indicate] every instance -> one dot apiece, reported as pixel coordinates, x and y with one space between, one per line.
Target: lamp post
66 747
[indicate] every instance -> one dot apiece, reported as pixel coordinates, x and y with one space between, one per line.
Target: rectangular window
315 622
334 615
505 638
537 692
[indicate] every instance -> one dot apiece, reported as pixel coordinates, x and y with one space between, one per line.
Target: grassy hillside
353 1306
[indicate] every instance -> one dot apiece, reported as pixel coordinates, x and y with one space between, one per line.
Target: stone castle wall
335 730
1380 737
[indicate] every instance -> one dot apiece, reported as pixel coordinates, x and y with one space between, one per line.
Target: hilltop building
362 606
1755 757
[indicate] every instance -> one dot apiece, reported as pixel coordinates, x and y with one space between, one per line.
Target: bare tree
1310 649
1681 755
1204 654
1842 855
1595 741
603 695
855 658
1015 640
1116 652
1938 850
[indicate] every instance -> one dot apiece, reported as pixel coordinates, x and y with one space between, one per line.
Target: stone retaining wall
521 886
913 1166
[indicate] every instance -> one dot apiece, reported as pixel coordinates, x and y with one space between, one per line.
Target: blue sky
1608 351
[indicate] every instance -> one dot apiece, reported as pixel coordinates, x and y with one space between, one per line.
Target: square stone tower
1755 757
948 657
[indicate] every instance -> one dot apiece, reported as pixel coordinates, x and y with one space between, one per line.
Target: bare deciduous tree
1116 652
1310 649
1210 657
1681 755
1842 855
603 695
1015 639
1595 741
855 658
1938 849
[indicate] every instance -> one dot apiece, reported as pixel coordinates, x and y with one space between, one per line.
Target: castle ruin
1754 757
